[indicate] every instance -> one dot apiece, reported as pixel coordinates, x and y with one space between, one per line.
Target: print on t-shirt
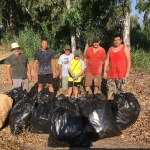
66 61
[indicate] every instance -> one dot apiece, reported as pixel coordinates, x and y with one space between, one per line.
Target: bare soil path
137 136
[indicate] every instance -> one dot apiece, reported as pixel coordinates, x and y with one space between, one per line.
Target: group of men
71 67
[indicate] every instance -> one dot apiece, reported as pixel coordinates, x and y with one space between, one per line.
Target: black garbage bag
17 94
126 109
98 118
34 90
20 115
44 96
56 84
67 126
40 120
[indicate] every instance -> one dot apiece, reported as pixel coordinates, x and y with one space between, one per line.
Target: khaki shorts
64 83
89 78
24 83
115 86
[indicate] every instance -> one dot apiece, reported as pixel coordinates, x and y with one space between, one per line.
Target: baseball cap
67 47
77 53
96 39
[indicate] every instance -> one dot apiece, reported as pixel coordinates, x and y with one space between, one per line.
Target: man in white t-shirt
63 64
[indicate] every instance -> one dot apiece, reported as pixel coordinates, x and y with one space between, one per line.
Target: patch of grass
140 59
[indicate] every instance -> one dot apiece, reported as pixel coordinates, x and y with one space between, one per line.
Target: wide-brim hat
77 53
67 47
15 45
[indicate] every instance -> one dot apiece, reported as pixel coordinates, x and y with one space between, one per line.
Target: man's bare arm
9 74
29 71
35 65
106 63
54 67
60 70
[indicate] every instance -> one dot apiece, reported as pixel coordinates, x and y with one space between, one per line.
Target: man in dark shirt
44 66
17 68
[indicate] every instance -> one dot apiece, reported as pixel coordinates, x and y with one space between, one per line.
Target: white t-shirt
64 61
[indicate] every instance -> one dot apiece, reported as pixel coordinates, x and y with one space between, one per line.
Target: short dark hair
44 39
117 35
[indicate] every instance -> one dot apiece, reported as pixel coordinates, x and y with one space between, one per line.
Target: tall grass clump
6 40
29 42
140 59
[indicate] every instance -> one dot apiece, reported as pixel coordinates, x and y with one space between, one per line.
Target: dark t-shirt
18 65
44 61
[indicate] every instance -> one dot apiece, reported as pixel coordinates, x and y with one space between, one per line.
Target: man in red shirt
94 58
119 62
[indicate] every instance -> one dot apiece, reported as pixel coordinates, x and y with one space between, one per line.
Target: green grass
140 59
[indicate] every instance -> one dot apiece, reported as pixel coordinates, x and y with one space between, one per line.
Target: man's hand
127 75
60 76
105 75
10 81
54 74
35 76
29 77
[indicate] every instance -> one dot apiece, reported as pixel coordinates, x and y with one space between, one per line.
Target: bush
29 41
140 59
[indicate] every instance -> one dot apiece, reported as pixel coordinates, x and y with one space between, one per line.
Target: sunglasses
17 48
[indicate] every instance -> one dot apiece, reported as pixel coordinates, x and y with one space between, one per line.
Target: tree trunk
126 31
73 39
86 46
78 40
68 4
72 30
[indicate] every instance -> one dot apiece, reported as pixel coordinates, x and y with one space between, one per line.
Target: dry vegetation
136 136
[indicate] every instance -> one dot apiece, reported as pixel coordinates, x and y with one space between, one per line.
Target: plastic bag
97 117
34 90
56 84
126 109
44 96
17 94
40 120
20 115
67 126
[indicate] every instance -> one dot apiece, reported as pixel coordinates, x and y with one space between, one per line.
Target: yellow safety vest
77 68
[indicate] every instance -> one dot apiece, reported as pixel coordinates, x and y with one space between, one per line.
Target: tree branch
33 17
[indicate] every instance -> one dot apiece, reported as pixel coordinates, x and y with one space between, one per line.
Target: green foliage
140 59
143 6
29 42
7 39
140 40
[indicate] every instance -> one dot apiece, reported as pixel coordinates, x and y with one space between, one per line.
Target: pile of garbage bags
70 122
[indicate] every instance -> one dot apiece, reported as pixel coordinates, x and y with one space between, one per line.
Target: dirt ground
137 136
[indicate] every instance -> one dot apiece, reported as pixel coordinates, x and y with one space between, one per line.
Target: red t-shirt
95 60
117 63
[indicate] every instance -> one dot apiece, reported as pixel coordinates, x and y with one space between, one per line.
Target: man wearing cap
17 68
94 59
44 66
76 69
63 63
